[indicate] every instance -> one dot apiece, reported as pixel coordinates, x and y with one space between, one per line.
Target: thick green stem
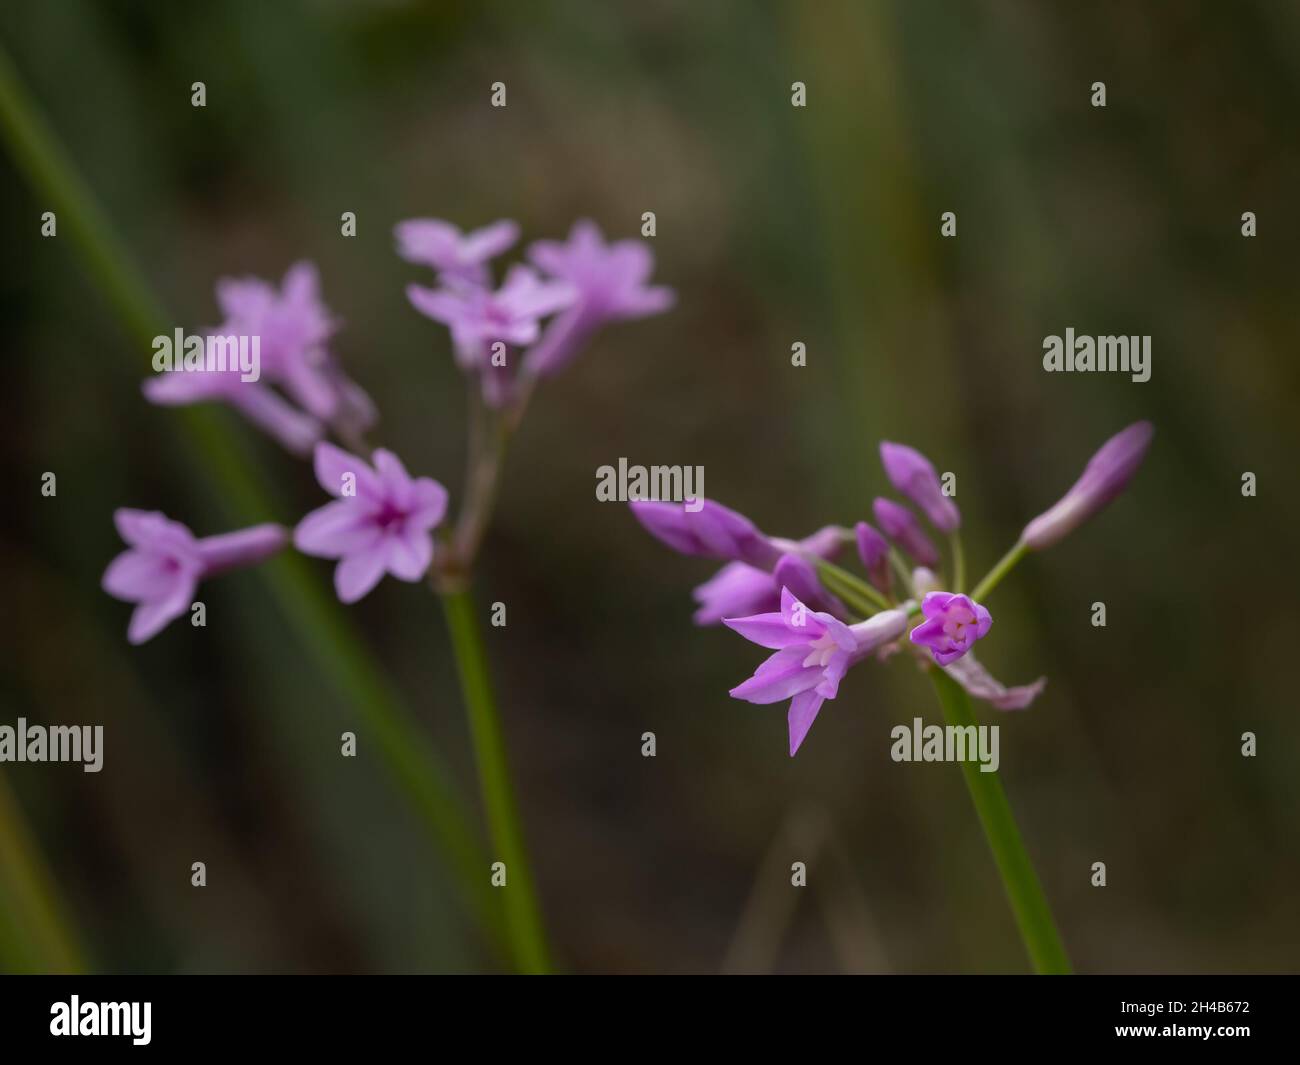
523 921
328 639
994 576
35 937
1024 892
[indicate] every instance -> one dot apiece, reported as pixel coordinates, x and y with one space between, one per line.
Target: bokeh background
775 225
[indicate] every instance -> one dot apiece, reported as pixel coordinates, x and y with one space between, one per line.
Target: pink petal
137 576
439 305
356 574
767 630
149 619
736 590
980 683
780 677
802 713
811 627
489 241
429 503
409 554
393 478
332 464
337 529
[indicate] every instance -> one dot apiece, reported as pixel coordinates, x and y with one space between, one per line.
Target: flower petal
780 677
428 503
410 553
977 680
138 576
736 590
489 241
358 573
333 465
798 575
802 713
394 481
799 617
150 618
340 528
767 630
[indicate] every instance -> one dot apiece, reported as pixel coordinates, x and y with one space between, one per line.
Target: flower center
820 651
956 624
389 517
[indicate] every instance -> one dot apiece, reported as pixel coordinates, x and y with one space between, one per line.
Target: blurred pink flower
164 563
380 522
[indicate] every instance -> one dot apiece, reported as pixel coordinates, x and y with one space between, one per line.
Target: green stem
900 568
523 920
846 595
35 937
326 635
994 576
852 591
958 562
1024 892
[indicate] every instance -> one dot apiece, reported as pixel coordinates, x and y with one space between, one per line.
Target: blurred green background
774 225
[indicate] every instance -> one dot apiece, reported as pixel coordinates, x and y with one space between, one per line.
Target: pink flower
897 522
478 317
1107 474
293 430
912 474
710 530
873 550
293 324
165 562
380 522
953 624
455 255
813 652
612 283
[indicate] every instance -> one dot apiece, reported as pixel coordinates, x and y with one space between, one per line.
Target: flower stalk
815 648
958 562
1024 891
523 922
855 593
994 576
331 643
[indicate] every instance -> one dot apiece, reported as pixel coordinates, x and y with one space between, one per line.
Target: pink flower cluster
785 595
381 520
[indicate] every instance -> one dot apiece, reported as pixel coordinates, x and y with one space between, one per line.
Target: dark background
774 225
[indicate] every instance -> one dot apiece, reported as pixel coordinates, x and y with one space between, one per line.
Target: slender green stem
994 576
35 936
523 919
324 632
900 568
958 562
849 597
848 587
1024 892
